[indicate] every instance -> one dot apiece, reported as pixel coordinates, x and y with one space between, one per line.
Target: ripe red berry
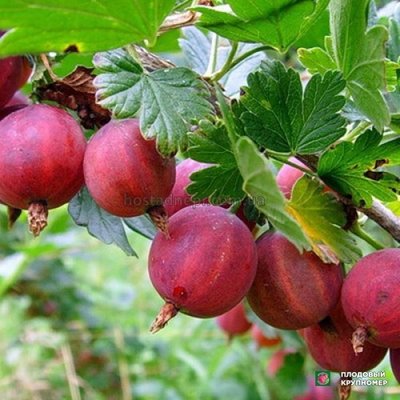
329 343
234 322
124 173
41 156
14 72
371 300
206 266
292 290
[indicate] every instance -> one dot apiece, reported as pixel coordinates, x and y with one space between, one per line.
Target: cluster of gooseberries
204 261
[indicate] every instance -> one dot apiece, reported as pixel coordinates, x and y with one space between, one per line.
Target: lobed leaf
166 101
282 118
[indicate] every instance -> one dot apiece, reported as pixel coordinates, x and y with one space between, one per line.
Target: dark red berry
292 290
41 156
371 299
124 173
206 266
18 102
4 112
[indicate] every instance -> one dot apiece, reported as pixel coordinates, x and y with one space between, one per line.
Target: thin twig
70 371
383 217
123 366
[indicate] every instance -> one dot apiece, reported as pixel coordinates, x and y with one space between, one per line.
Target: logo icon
322 378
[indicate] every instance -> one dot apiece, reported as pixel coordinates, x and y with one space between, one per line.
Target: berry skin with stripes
292 290
124 172
41 156
205 267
